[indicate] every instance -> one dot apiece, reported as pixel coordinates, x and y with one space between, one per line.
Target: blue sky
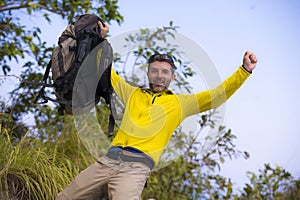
263 113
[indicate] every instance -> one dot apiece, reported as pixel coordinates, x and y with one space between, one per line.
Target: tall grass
32 169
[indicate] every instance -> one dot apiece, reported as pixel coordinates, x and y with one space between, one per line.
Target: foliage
271 183
16 130
24 45
19 40
32 169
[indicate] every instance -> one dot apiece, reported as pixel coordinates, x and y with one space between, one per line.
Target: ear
173 76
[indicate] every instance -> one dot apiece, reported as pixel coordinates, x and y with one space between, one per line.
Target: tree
271 183
18 40
19 43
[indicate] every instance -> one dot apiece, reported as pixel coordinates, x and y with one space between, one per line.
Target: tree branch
36 5
2 9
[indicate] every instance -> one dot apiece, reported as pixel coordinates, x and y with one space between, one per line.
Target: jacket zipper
155 98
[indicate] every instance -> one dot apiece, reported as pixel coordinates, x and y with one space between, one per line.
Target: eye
165 71
153 71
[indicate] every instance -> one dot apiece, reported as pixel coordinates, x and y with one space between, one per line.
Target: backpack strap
111 125
42 95
112 117
45 84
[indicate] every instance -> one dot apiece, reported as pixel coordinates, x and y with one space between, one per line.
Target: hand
104 29
249 61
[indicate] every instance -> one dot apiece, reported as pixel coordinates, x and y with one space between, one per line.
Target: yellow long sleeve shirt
150 119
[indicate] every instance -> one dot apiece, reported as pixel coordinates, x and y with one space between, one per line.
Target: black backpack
81 68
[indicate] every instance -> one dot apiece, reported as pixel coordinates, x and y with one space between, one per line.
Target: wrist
247 69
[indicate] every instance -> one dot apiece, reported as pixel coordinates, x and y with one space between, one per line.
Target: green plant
32 169
271 183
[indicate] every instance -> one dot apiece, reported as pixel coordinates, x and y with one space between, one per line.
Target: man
149 120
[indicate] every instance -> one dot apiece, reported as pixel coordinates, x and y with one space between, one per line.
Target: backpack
81 66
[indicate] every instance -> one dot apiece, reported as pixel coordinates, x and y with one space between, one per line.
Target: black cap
162 57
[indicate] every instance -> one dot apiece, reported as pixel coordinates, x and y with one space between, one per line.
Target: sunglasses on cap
162 57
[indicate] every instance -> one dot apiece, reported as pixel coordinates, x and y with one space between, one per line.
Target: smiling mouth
158 85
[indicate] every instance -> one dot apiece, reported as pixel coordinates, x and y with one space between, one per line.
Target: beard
159 86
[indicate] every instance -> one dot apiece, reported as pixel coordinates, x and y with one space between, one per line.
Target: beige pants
124 181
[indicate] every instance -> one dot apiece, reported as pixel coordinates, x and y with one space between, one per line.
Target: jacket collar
165 92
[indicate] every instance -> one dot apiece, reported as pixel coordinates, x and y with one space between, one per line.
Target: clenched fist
249 61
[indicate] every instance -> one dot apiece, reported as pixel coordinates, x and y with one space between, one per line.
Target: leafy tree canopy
23 45
17 40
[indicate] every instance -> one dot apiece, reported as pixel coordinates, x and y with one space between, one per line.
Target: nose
159 79
159 74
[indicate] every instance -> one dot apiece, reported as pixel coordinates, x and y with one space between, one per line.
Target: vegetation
33 169
38 160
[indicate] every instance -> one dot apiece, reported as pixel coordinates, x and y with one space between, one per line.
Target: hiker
151 115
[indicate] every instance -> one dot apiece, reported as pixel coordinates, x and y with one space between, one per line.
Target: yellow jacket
150 119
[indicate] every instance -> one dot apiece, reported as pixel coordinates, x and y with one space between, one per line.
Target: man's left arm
210 99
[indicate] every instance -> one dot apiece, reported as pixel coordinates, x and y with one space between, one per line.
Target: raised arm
213 98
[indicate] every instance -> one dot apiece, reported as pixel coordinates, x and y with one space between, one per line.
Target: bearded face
160 76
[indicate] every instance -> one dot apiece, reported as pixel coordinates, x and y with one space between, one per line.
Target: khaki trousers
124 181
